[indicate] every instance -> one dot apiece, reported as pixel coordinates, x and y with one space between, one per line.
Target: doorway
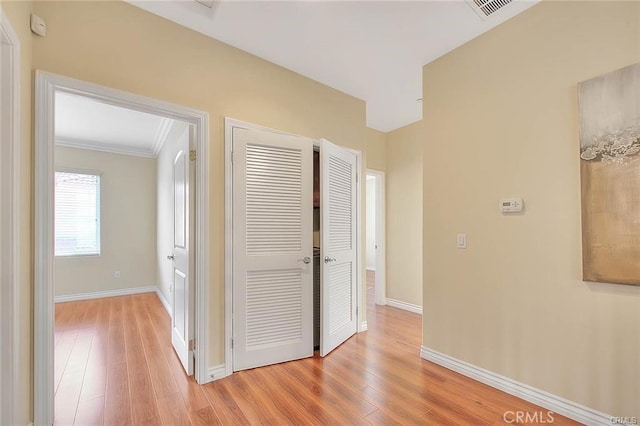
83 187
375 238
123 220
271 232
9 219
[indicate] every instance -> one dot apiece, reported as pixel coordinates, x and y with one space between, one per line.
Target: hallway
115 366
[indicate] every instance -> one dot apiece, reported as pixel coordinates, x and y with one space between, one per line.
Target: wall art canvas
609 108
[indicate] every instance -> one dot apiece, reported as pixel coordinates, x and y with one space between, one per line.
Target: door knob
306 259
171 257
328 259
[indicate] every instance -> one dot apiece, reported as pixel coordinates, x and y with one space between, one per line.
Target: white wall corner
416 309
11 121
216 373
557 404
164 302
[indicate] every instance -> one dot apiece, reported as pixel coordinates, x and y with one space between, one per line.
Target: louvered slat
340 296
340 192
274 308
274 200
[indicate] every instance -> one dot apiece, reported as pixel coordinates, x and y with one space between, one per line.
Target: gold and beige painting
609 107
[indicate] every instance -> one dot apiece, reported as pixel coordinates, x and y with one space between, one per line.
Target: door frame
380 225
229 125
46 85
10 196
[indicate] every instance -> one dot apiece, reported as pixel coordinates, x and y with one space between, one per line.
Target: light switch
462 241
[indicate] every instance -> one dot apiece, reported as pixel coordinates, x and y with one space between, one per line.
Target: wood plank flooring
114 365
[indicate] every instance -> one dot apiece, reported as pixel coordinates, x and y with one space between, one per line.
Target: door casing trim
46 85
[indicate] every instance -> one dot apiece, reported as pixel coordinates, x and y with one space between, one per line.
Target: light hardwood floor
114 365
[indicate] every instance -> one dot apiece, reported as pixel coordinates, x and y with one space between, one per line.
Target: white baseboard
363 327
416 309
557 404
164 302
101 294
217 372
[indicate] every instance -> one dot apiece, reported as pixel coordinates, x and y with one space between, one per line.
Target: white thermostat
511 205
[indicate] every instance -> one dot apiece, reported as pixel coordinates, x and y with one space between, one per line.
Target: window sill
78 255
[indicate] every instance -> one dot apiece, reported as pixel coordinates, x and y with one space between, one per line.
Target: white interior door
182 323
338 245
272 248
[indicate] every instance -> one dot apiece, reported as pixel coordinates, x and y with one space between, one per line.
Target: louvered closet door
338 243
273 248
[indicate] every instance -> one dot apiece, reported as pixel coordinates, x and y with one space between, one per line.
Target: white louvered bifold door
338 244
272 248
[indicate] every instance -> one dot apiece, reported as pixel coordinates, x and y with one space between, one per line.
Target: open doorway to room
123 225
375 239
123 233
116 302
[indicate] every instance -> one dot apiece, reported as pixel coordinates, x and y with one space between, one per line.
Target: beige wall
18 14
117 45
404 214
127 225
375 146
165 209
500 120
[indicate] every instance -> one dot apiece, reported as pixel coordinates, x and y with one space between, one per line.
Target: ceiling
82 122
372 50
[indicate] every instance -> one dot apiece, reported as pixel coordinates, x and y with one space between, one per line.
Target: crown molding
104 147
162 134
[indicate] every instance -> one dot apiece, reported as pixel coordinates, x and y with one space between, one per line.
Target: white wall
127 228
371 223
165 206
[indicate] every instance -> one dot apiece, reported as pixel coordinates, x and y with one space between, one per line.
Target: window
77 220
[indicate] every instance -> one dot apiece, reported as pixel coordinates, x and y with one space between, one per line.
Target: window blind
77 214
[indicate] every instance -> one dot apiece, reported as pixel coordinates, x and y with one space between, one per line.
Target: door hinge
231 343
192 155
192 345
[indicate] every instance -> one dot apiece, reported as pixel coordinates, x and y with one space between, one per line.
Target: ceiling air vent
486 8
206 3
